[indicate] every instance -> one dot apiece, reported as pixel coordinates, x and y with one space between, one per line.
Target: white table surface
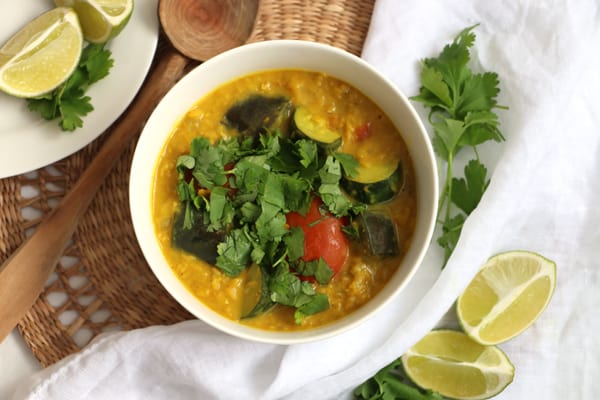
16 363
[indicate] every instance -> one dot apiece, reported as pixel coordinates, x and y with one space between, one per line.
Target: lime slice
455 366
506 296
42 55
101 20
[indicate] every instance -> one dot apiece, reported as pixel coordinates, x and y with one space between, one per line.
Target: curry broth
345 109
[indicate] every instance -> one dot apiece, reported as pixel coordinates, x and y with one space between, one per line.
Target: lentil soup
366 134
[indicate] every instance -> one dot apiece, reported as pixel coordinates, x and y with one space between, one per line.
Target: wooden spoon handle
24 274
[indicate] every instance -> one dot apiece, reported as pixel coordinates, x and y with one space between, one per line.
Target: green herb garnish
461 104
244 189
69 102
389 383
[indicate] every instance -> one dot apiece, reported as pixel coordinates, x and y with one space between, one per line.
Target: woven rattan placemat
102 282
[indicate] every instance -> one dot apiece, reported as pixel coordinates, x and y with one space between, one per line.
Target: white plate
28 142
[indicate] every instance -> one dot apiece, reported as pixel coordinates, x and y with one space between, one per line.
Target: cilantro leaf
208 168
448 134
230 150
435 92
185 161
97 62
46 106
329 189
271 224
234 252
186 196
480 127
297 193
287 289
307 152
249 212
72 108
452 62
220 209
249 175
478 94
467 192
294 241
286 160
273 191
258 253
76 81
316 268
318 302
348 162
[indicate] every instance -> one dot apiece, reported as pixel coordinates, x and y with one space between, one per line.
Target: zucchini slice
378 230
375 183
305 125
257 112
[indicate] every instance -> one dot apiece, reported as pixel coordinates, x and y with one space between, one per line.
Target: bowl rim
171 109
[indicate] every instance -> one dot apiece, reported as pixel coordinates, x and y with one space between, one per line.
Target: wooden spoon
199 29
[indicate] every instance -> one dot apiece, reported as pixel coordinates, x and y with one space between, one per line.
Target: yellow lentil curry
366 134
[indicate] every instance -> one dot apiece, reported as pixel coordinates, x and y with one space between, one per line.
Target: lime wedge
42 55
455 366
101 20
506 296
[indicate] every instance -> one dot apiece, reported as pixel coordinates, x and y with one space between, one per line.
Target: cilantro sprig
69 102
391 383
461 104
244 188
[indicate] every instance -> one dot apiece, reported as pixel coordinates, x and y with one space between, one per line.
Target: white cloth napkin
543 197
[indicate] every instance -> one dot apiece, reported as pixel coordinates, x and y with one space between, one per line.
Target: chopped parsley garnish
244 188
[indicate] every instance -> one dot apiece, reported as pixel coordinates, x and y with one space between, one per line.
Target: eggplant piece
256 113
197 240
378 230
305 125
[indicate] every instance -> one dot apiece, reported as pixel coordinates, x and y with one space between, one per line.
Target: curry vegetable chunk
253 216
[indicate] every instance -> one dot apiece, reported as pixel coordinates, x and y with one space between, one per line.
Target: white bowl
268 55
